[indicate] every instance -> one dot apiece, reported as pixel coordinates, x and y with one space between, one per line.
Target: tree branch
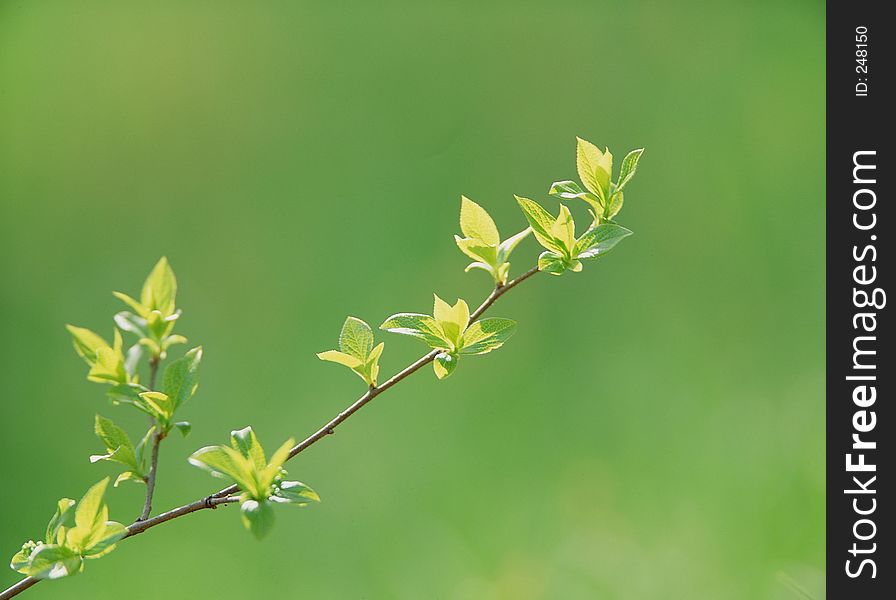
225 496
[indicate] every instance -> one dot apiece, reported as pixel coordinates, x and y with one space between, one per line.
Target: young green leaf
541 223
356 350
600 240
74 533
628 168
107 363
594 167
156 311
486 335
458 335
416 325
260 480
48 561
356 338
483 242
160 289
340 358
452 320
226 463
117 443
476 223
257 517
295 493
508 245
444 364
246 443
129 476
60 521
86 343
181 378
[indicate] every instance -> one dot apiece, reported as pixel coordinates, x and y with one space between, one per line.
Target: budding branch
226 496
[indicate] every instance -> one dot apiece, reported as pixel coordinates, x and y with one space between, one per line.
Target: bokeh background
655 428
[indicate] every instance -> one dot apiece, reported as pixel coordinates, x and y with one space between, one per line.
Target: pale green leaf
226 463
476 249
157 404
600 240
341 358
628 168
295 493
86 343
416 325
564 230
116 441
128 321
444 364
246 443
476 223
185 427
486 335
103 542
594 167
160 288
90 515
141 310
541 223
480 265
51 561
551 262
508 245
181 377
615 205
62 518
566 189
451 319
257 517
356 338
128 476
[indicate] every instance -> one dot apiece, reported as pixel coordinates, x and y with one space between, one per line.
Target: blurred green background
655 428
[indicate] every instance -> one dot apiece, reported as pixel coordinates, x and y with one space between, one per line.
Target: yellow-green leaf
86 343
476 223
452 319
594 167
160 288
564 229
340 357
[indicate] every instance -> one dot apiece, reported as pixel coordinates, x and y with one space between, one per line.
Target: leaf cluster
482 242
449 331
356 350
261 481
76 532
595 167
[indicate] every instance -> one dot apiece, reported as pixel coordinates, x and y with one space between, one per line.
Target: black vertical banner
861 377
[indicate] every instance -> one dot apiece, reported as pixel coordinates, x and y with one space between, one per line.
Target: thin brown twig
156 441
225 496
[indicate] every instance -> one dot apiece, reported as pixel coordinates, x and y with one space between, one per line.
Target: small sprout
356 350
76 532
483 243
563 250
449 331
595 168
155 313
261 480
